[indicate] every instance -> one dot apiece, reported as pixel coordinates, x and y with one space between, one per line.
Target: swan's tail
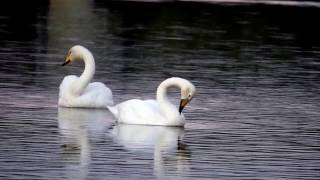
114 110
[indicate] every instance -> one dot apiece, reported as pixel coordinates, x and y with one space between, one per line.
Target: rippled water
255 115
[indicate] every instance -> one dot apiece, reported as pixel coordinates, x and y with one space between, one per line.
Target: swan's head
75 53
188 90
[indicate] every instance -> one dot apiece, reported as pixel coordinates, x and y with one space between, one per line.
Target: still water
255 116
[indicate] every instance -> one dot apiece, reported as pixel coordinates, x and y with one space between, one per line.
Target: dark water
256 69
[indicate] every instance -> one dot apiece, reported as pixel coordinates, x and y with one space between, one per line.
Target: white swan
156 112
78 91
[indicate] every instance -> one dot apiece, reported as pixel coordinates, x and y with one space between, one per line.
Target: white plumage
78 91
156 112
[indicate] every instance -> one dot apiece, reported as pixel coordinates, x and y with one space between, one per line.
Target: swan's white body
155 112
78 91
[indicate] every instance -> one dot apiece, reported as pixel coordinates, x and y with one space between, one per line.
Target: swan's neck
87 74
166 107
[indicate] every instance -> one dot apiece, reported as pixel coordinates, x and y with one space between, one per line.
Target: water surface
255 115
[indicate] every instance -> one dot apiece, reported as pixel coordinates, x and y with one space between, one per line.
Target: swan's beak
66 62
68 59
183 103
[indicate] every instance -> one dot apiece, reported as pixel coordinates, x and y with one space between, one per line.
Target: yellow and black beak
68 59
66 62
183 103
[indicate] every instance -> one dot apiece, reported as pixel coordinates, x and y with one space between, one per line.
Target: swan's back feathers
95 95
137 111
98 95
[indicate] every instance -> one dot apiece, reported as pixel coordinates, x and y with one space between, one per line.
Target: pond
255 115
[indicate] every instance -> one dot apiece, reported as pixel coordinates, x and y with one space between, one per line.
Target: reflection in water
163 143
64 32
256 69
76 126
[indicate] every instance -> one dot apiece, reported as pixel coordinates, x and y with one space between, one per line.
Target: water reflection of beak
183 103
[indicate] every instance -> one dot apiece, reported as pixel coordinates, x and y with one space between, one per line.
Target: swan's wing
137 111
97 93
99 88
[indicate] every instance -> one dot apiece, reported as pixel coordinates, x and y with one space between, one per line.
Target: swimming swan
78 91
156 112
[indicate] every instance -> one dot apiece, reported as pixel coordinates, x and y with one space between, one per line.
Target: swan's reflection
163 143
76 126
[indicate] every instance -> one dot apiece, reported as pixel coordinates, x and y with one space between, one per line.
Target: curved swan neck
165 105
88 72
